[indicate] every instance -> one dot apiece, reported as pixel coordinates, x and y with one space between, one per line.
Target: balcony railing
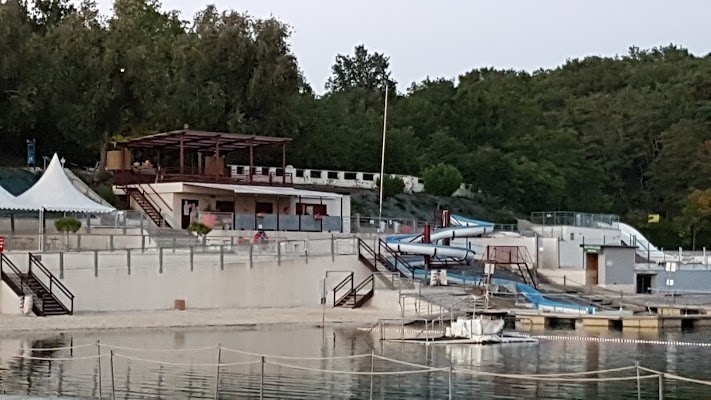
122 178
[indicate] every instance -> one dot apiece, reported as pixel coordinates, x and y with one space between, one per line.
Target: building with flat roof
199 186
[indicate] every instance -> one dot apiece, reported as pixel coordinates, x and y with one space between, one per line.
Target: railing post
160 260
61 265
98 359
661 386
128 260
639 389
174 244
333 248
78 241
96 263
278 243
222 257
111 242
143 242
192 257
251 255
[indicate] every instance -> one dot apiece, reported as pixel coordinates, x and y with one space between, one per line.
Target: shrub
199 229
67 225
442 179
392 186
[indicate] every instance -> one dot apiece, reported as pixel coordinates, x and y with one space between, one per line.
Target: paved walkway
193 318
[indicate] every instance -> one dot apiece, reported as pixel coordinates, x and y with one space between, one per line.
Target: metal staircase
138 195
382 265
346 295
49 295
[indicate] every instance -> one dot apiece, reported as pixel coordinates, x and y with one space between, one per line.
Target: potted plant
200 229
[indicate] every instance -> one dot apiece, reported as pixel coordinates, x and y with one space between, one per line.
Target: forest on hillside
626 135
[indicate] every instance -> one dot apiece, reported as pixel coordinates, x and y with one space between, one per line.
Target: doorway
644 284
591 269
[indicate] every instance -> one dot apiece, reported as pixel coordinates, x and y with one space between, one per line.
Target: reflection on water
133 378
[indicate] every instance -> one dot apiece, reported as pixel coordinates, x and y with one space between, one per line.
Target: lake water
134 378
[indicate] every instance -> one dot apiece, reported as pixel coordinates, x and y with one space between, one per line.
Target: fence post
192 256
251 255
113 382
639 389
450 377
96 263
143 242
661 386
306 254
222 257
98 352
372 370
79 241
261 381
125 218
174 244
111 242
333 248
160 260
278 252
128 260
217 373
61 265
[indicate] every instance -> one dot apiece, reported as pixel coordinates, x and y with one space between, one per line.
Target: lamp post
382 158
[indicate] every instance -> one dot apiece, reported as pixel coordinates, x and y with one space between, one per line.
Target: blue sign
31 153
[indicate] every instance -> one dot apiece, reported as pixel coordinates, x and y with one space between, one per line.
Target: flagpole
382 159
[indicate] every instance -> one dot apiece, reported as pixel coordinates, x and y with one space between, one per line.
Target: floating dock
665 318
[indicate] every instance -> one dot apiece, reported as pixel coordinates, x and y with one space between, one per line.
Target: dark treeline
626 135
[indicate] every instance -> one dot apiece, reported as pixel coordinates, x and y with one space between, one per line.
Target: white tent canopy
55 192
10 202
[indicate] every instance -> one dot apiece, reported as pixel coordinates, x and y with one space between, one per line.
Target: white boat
484 327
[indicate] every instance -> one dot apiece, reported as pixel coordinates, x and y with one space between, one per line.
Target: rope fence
115 352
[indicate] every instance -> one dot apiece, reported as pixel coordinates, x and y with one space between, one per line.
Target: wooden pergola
202 142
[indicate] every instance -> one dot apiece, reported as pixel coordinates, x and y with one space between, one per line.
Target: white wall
571 238
9 301
294 283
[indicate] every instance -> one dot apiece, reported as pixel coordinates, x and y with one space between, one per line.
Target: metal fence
204 254
573 219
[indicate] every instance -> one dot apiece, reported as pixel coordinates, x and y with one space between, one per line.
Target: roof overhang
265 190
201 140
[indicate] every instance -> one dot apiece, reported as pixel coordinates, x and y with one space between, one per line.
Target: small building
609 265
195 184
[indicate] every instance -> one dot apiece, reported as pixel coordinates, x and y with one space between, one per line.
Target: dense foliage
442 179
626 135
392 186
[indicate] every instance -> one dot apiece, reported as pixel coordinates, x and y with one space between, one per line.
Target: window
315 174
311 209
279 172
368 177
299 173
264 208
332 175
351 176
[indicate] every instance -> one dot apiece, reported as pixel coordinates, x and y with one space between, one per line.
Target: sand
194 318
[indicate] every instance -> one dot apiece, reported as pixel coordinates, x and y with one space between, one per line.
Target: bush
199 228
67 225
392 186
442 179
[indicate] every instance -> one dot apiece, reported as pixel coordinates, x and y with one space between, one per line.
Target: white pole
382 160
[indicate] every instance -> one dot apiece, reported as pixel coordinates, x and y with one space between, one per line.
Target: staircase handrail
18 280
369 280
341 285
53 282
398 258
167 216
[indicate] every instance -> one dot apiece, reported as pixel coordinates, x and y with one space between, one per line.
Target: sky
447 38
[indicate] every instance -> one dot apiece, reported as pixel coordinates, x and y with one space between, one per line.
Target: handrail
53 282
398 258
152 203
160 197
370 280
20 281
341 285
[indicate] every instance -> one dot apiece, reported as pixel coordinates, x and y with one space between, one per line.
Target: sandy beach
193 318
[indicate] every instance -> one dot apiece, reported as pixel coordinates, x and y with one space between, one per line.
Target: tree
362 70
392 186
67 225
696 215
200 229
442 179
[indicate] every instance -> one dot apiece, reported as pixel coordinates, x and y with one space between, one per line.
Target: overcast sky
446 38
